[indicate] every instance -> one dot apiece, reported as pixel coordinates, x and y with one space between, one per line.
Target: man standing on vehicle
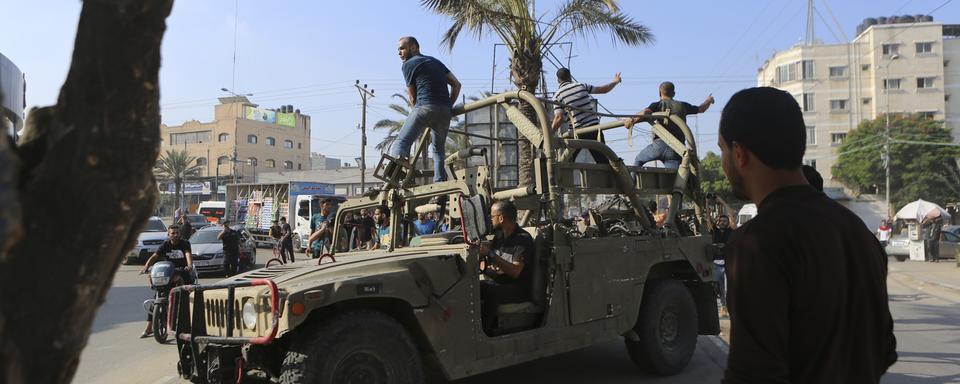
573 99
807 287
506 256
286 240
231 249
658 149
427 80
176 251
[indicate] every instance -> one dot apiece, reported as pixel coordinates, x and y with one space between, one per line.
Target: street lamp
886 145
234 93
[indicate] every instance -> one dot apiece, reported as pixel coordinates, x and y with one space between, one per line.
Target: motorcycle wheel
160 323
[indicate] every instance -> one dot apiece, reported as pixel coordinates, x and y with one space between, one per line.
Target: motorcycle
161 281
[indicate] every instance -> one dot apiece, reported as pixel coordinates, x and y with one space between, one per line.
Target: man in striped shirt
574 101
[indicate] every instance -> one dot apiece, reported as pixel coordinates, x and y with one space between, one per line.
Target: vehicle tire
667 329
360 346
160 323
900 258
297 247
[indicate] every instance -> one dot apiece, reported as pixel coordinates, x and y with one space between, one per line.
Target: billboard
189 188
259 114
287 119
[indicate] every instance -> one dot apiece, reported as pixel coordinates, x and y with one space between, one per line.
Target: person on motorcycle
176 251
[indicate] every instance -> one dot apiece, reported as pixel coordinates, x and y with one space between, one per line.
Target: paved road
927 318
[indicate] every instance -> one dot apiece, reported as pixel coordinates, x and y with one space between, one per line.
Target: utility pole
886 144
364 95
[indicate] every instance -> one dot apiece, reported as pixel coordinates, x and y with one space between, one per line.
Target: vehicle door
600 277
949 245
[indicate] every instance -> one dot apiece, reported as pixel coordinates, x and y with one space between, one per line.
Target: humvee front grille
216 313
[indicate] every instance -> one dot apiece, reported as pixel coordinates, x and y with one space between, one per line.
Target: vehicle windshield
204 237
154 225
197 219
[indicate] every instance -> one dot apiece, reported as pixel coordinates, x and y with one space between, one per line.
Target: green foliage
176 166
920 166
712 178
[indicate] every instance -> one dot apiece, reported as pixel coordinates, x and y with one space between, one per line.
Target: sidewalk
941 278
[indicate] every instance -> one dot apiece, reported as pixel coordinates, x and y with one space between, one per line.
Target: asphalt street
927 320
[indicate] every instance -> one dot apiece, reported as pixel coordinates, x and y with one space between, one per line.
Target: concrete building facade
319 162
12 97
243 140
902 65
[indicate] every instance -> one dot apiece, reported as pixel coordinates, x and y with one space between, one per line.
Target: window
223 137
838 105
299 166
787 72
807 102
807 69
810 162
924 82
891 49
252 161
837 138
288 164
836 72
223 160
288 144
271 141
865 67
201 161
299 145
928 115
891 84
867 100
811 135
271 163
925 47
251 139
189 138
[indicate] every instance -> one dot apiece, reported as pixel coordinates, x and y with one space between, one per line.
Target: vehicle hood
151 236
200 250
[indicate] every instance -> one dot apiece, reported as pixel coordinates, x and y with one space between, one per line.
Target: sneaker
146 334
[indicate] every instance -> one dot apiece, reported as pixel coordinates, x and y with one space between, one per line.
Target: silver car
899 245
207 250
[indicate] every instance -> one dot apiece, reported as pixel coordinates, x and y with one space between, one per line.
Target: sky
310 53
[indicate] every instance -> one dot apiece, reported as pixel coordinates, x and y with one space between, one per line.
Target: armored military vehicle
410 311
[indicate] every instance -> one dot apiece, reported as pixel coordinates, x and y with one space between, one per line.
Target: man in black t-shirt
286 240
506 258
231 249
176 251
658 149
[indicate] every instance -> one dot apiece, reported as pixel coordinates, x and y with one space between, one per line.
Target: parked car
899 245
208 250
154 234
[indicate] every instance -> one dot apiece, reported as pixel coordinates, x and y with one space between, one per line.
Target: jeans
658 150
720 279
437 117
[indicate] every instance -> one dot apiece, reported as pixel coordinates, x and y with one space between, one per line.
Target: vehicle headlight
249 315
218 255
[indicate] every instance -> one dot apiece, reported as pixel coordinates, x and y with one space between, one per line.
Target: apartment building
905 64
244 139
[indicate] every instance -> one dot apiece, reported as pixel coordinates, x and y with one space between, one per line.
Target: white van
213 210
746 213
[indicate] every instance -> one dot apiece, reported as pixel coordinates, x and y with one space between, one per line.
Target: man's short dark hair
507 209
667 88
174 226
283 218
767 122
326 200
813 177
412 40
383 209
563 74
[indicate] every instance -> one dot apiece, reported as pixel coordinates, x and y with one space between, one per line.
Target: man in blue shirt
423 225
427 80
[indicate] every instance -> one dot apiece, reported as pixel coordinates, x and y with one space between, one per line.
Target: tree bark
525 67
86 197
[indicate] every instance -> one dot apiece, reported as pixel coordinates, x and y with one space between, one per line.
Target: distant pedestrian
286 241
575 105
658 149
427 80
807 289
813 177
231 249
176 215
423 225
884 232
186 230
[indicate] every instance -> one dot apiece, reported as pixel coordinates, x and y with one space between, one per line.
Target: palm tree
528 38
393 127
177 166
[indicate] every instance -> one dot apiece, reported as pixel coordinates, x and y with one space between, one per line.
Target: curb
716 350
918 284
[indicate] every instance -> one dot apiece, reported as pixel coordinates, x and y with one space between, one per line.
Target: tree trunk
525 67
88 193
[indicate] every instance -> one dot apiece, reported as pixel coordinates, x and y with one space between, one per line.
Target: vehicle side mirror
476 224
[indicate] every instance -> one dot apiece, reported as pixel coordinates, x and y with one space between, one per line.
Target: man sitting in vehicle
503 264
176 251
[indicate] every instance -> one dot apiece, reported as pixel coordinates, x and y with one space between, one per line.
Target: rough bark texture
525 67
84 193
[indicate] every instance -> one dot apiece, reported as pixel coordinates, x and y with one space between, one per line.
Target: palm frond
390 125
589 17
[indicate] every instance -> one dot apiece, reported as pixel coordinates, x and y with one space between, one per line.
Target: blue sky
308 54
